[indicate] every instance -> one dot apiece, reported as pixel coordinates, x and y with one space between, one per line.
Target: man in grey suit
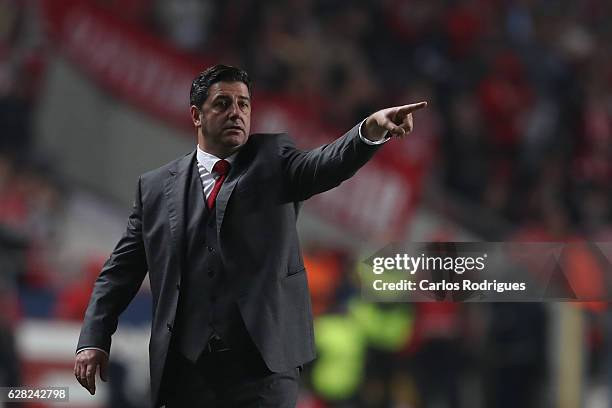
215 229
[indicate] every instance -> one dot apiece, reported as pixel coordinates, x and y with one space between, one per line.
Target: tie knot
221 167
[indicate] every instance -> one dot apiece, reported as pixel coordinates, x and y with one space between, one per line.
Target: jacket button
211 273
169 326
210 249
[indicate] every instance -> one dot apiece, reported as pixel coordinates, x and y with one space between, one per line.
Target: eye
244 105
221 104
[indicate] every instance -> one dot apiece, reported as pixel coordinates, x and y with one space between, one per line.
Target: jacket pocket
294 272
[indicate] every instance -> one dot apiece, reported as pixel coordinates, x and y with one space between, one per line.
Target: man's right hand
85 366
396 120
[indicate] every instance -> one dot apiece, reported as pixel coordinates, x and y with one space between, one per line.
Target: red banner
125 60
144 71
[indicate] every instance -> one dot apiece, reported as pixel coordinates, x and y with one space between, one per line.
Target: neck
216 151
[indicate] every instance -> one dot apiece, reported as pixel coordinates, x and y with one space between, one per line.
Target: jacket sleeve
321 169
117 284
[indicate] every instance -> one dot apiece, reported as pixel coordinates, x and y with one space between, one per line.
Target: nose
234 111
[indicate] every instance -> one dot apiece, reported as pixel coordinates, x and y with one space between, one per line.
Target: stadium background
515 145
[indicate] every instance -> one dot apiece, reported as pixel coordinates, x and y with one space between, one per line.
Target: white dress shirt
384 139
206 162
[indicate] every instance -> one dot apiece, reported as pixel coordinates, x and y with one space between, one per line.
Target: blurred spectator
438 354
515 358
189 24
325 269
465 149
9 362
21 70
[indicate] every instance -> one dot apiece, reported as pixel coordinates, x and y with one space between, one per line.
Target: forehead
232 89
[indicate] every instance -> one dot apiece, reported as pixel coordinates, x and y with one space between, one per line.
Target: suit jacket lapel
234 175
175 190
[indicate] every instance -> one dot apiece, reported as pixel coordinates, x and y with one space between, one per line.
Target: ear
195 116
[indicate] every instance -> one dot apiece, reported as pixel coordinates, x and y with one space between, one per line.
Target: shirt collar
208 160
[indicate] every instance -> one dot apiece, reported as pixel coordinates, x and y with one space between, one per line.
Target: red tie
221 168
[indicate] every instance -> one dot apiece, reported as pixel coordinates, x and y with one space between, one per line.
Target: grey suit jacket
256 209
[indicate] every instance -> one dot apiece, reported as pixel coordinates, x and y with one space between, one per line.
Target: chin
236 140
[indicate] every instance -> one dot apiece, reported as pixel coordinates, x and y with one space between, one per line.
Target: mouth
234 128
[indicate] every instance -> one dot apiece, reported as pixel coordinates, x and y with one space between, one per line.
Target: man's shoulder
166 169
257 141
265 137
269 140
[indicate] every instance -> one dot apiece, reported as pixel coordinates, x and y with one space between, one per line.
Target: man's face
225 118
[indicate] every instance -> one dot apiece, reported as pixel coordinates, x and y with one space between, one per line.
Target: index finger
90 375
411 107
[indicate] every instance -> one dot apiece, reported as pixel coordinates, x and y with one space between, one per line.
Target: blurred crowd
521 88
521 92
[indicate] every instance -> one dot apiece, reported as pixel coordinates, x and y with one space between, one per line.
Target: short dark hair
217 73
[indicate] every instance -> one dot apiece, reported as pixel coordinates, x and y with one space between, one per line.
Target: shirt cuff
91 348
367 141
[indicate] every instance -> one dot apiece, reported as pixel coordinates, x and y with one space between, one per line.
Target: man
215 229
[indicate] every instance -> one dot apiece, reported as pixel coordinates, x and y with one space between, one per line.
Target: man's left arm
321 169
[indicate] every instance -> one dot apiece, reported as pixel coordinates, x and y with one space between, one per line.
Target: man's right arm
321 169
117 284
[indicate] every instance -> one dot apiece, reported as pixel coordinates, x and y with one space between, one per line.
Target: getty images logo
412 264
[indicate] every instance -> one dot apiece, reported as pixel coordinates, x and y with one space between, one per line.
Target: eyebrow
242 97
